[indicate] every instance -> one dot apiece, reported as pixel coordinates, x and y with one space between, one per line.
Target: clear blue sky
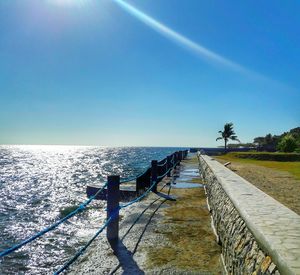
95 72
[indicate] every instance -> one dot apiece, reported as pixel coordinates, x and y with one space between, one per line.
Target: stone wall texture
244 232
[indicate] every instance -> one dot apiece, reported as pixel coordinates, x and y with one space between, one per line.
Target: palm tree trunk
225 145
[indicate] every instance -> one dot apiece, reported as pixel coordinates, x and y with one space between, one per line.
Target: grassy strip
292 167
189 244
266 156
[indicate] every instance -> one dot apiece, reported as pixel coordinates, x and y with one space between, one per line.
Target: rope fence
53 226
146 181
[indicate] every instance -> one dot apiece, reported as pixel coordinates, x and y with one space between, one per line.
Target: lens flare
185 42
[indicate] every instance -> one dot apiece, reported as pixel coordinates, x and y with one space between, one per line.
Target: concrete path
275 227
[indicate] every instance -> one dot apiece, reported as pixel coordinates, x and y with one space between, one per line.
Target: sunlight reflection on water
39 183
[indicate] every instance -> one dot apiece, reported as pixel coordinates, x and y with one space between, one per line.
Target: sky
147 73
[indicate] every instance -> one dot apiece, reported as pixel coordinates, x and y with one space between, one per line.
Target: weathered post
139 185
154 174
113 197
166 165
169 165
174 159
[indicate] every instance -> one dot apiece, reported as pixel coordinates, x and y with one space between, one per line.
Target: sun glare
69 2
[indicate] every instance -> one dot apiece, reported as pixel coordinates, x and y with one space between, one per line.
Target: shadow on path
125 256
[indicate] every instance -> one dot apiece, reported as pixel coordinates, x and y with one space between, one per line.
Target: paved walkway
275 227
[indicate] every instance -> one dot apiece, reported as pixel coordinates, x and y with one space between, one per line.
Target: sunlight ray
196 48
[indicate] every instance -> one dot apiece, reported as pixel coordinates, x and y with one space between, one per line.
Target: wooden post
143 181
176 158
139 186
154 174
169 165
166 165
113 197
174 154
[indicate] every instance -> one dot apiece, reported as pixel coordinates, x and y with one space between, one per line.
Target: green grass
190 244
266 156
292 167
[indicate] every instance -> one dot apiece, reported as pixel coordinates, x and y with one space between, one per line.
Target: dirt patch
282 186
197 180
190 245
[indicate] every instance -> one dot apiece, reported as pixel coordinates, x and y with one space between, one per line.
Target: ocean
41 184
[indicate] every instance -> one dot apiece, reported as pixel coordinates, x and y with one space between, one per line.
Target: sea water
41 184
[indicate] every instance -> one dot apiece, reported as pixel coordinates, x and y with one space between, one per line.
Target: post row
143 182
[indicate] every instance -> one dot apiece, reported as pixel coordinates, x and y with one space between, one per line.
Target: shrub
287 144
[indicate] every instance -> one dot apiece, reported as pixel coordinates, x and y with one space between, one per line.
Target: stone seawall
258 234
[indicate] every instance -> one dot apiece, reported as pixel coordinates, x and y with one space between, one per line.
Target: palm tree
227 134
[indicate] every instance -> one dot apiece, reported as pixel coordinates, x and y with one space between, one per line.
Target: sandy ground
280 185
159 237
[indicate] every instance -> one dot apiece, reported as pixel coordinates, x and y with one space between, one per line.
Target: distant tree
259 141
296 134
228 133
267 143
268 139
287 144
295 131
271 143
